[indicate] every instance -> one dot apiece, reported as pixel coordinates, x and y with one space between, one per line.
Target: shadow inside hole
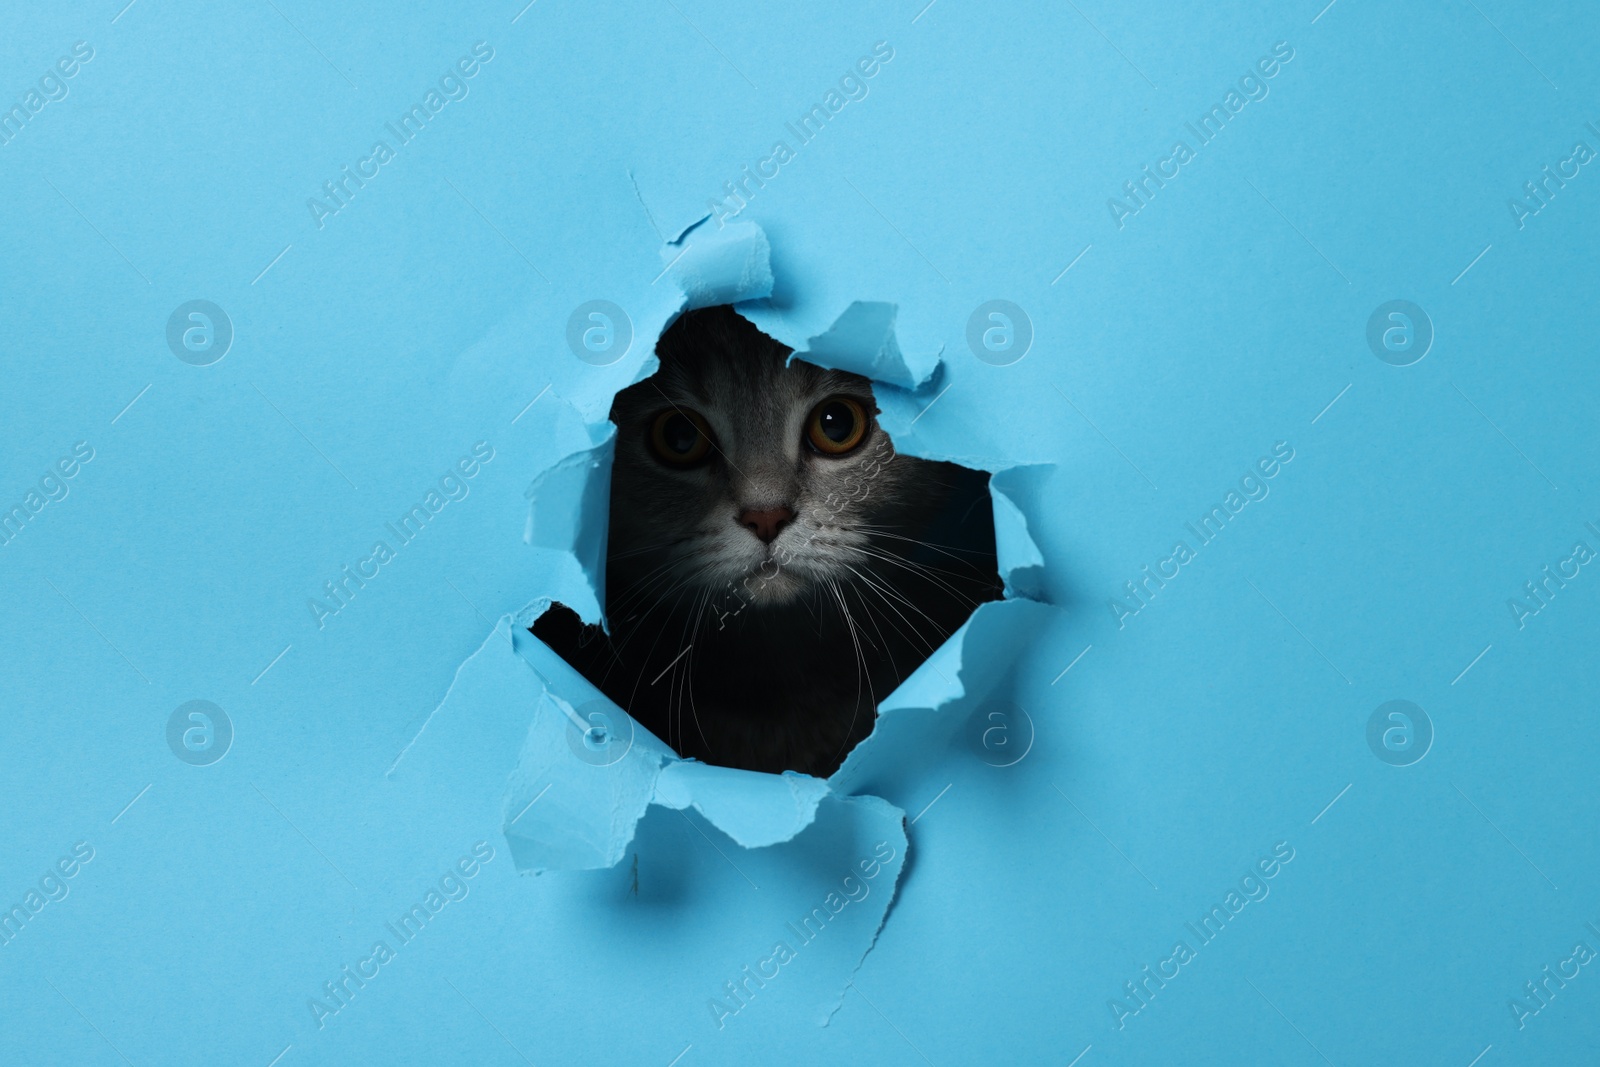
770 577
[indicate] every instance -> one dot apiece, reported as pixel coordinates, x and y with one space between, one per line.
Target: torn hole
526 709
774 567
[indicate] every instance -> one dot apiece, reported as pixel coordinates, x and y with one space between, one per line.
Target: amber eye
680 437
836 426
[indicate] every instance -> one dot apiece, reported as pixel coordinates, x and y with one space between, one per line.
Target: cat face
740 478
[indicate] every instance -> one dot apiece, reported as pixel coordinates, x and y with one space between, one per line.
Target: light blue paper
1071 787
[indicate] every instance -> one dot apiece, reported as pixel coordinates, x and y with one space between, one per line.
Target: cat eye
680 437
837 425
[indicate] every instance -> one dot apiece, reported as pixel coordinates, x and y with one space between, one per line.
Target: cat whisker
861 660
923 570
872 617
913 638
887 591
926 573
875 532
863 674
659 546
641 588
676 681
699 617
622 598
636 628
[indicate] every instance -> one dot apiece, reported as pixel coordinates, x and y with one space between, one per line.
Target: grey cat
774 567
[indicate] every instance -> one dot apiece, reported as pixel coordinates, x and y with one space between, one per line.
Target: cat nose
766 524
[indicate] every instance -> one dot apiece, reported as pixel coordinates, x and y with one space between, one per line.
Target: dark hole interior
774 567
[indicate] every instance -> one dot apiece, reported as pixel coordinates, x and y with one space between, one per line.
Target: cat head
741 476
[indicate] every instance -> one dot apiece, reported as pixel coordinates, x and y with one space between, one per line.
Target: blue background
1186 741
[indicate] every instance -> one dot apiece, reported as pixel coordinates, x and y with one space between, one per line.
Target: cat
774 567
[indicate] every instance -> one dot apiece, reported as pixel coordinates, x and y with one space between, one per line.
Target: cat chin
786 588
771 587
